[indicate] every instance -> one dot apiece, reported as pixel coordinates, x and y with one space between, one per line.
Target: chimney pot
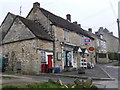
79 25
36 5
96 33
68 17
75 22
90 30
111 33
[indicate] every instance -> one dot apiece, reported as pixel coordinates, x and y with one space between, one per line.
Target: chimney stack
79 25
90 30
96 33
111 33
36 5
68 17
75 22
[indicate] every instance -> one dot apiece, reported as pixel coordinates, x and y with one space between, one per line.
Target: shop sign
87 40
91 48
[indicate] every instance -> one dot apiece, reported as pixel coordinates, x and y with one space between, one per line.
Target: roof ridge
55 15
59 21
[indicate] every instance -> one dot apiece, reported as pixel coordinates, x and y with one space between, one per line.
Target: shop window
102 55
43 56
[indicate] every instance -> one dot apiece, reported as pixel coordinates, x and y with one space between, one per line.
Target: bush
116 64
44 85
113 56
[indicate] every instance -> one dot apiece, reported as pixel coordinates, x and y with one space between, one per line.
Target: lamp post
118 40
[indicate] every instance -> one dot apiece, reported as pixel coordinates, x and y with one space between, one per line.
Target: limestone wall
26 53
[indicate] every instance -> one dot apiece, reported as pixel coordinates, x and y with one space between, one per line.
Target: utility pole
118 23
118 39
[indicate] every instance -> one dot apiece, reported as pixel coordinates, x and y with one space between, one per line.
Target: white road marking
113 66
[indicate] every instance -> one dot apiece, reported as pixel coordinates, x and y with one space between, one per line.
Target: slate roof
96 36
3 32
64 23
36 28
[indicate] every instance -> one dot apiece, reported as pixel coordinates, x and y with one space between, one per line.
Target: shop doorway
68 58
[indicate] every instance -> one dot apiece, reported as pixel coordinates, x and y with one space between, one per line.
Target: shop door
68 58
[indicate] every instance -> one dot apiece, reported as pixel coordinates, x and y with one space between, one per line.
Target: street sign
87 40
91 48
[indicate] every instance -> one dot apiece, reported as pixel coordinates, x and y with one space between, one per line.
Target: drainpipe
54 49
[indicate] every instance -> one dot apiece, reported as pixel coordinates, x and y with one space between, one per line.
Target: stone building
67 37
101 50
112 41
24 42
43 38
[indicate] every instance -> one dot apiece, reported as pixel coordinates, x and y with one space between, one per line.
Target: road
113 72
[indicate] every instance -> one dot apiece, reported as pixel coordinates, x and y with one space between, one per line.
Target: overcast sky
89 13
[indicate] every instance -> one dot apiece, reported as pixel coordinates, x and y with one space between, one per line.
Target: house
112 41
25 42
101 49
44 41
67 37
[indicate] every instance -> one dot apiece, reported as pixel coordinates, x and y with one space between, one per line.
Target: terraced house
44 41
67 36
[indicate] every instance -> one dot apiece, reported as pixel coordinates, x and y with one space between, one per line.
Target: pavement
98 73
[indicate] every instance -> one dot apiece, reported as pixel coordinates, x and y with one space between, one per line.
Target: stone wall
37 15
26 53
75 38
102 60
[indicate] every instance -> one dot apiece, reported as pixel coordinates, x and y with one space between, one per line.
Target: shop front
69 60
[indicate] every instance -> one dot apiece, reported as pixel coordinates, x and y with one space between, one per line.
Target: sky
89 13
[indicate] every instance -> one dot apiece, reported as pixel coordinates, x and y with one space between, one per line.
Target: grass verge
46 85
116 64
